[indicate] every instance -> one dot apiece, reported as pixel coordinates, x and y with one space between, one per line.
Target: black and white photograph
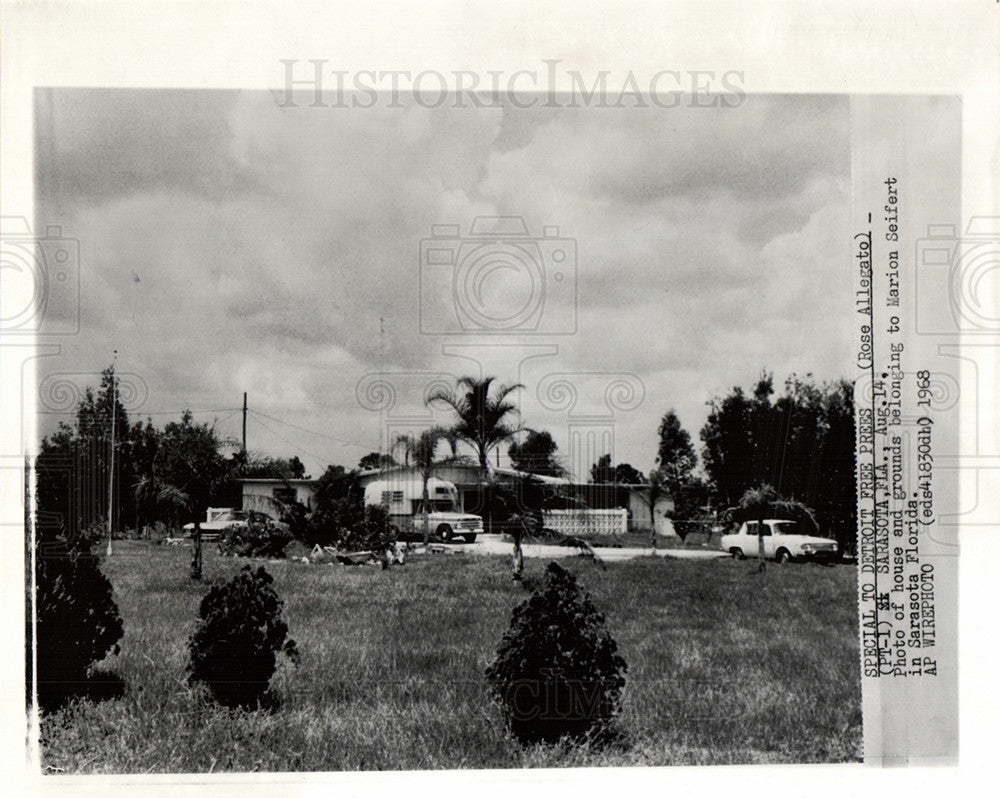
493 419
413 437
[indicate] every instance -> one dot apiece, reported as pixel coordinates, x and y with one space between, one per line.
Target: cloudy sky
231 245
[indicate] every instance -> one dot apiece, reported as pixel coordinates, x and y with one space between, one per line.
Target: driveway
495 544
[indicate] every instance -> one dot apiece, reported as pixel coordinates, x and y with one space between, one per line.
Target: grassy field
725 666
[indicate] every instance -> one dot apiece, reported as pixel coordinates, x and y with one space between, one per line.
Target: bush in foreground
77 620
557 673
234 647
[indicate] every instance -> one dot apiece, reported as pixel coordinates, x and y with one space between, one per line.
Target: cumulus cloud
229 244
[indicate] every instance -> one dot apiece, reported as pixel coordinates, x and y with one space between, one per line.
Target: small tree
376 460
233 649
337 506
656 490
627 474
758 504
77 620
557 673
536 455
602 471
675 453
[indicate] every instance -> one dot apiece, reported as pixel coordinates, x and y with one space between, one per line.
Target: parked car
402 498
220 521
783 540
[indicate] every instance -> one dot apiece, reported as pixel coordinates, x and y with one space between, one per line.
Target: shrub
234 647
77 620
259 538
556 673
368 531
340 517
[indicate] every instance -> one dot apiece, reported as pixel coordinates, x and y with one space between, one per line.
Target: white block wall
582 523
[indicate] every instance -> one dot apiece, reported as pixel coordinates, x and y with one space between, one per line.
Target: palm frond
766 502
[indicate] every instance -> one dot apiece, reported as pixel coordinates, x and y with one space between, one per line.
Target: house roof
473 467
507 472
271 480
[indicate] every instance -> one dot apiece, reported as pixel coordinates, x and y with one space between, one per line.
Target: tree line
167 475
799 441
796 445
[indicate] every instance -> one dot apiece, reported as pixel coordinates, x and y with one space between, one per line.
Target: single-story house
468 479
263 495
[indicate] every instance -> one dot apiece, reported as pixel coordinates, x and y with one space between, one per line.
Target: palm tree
418 451
453 440
758 504
482 417
483 423
159 499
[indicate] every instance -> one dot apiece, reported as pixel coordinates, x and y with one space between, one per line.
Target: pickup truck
402 498
444 524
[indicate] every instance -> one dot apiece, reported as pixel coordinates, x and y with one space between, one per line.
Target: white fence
583 523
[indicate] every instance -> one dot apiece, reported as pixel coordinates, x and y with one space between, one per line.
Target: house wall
261 496
639 513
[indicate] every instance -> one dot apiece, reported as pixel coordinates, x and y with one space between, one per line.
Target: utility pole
244 426
111 474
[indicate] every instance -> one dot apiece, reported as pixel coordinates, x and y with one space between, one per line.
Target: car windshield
787 528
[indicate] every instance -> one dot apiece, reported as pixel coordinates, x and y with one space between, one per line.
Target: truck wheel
445 533
783 556
469 538
737 553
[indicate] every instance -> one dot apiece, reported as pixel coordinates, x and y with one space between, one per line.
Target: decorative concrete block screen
587 522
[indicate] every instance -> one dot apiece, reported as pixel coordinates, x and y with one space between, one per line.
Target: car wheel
469 538
783 556
737 553
445 533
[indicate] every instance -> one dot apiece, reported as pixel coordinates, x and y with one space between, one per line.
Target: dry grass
725 666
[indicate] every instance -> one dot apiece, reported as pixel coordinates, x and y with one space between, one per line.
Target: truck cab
402 497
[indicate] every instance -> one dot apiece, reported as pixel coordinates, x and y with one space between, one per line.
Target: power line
223 421
310 431
315 456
